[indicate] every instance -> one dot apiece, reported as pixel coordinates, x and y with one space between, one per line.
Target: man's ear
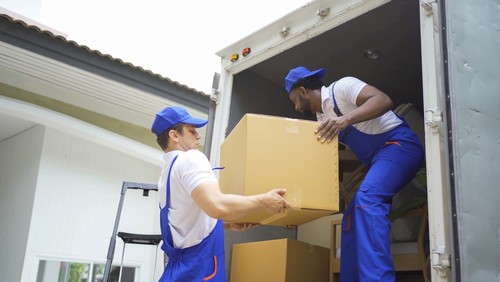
173 135
302 91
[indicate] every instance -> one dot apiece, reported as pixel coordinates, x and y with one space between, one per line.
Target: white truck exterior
441 56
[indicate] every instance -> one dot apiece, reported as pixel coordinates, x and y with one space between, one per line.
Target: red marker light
245 52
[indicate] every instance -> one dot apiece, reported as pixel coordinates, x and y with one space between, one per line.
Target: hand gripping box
266 152
279 260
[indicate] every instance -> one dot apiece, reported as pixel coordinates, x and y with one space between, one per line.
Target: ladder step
143 239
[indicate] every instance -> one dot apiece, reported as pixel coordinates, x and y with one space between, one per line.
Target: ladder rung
144 239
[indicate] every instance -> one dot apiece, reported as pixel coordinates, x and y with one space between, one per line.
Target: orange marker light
234 57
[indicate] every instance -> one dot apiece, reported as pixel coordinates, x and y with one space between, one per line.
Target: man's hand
274 202
330 128
240 226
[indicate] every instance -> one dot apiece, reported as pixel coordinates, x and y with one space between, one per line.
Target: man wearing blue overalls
192 207
361 116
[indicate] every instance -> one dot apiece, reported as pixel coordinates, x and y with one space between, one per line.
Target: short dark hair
311 83
163 137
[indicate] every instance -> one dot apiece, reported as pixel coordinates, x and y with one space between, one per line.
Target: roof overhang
49 71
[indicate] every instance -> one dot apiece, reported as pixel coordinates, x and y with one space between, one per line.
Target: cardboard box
266 152
279 261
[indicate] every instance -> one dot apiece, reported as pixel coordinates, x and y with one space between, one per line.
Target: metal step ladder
130 238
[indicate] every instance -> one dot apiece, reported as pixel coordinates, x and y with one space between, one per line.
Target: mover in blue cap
192 207
361 116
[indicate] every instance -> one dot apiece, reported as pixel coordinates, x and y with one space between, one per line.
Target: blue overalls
392 158
203 262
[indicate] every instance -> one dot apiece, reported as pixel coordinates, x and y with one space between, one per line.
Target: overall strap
335 106
169 235
339 114
168 178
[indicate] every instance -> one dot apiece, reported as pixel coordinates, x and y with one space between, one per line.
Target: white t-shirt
189 224
346 91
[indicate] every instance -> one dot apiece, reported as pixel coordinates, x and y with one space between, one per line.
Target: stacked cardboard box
279 261
266 152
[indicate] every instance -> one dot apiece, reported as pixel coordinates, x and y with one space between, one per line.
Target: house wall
19 162
76 200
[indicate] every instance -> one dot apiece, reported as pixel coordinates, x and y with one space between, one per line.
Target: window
63 271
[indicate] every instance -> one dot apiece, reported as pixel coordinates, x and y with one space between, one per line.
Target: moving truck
440 56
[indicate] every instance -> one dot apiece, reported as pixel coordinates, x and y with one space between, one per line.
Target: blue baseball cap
171 116
301 72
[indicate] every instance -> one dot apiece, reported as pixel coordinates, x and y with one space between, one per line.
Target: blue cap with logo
301 72
171 116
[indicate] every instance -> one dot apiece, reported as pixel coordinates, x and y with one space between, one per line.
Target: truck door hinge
440 260
432 116
427 5
214 96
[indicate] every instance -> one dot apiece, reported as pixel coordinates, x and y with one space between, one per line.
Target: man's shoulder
192 160
347 80
349 85
194 154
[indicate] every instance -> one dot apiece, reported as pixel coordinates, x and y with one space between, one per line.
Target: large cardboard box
279 261
266 152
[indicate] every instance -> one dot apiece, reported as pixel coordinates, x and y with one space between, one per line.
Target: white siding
19 161
76 200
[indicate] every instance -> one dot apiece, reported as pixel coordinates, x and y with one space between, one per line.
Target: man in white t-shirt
192 206
361 116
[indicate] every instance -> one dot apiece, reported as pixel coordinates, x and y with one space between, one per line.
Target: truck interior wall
253 93
473 39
